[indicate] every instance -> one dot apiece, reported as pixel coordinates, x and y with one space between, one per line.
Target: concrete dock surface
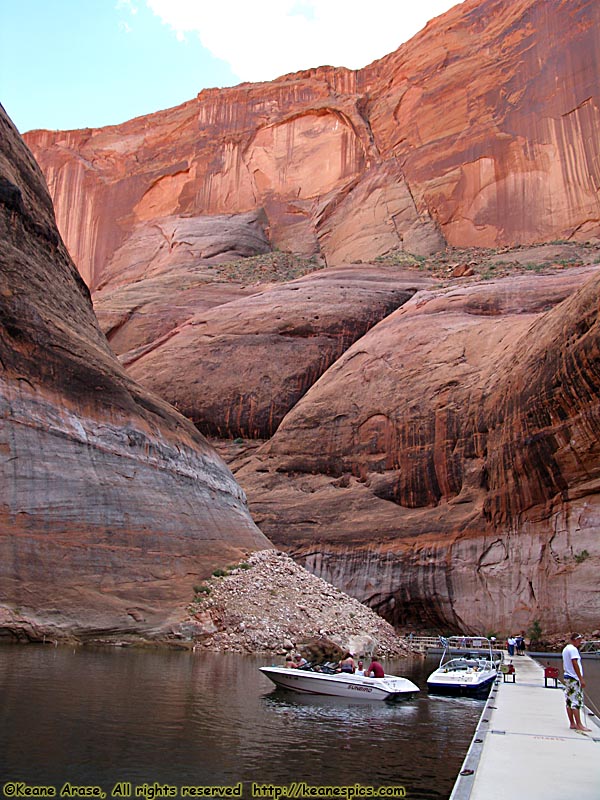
523 746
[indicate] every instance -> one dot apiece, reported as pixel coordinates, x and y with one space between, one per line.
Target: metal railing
424 643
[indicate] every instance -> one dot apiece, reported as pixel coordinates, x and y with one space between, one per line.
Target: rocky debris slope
269 603
349 164
112 505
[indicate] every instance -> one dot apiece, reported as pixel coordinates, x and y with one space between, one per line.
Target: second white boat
465 670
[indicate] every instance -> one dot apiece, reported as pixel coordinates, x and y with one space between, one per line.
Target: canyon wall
432 444
238 368
481 130
112 505
445 469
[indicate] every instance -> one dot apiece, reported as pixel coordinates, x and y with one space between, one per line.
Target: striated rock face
494 128
278 146
439 142
445 469
238 368
111 504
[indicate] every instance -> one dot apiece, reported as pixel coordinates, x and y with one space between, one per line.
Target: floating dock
523 745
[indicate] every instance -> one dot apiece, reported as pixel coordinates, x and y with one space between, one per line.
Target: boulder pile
268 603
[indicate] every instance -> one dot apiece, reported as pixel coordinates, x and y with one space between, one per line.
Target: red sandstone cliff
442 464
111 504
479 131
238 368
446 469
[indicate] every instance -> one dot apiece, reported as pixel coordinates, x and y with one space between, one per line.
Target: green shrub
581 557
535 632
488 273
532 266
401 258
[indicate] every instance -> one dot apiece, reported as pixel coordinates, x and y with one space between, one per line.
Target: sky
68 64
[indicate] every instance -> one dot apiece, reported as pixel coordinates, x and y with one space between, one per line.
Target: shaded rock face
237 369
445 469
165 245
166 274
439 142
111 503
141 314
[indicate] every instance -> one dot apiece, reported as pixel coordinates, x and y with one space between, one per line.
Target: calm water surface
102 716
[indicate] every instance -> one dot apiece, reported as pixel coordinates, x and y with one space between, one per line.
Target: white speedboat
464 672
341 684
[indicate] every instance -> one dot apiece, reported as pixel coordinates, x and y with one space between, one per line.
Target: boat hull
461 686
341 685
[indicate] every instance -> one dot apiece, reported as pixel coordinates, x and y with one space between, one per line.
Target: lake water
100 717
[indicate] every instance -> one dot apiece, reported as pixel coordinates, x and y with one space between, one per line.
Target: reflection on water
102 716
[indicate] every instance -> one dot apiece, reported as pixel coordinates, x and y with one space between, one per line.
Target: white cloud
126 5
268 38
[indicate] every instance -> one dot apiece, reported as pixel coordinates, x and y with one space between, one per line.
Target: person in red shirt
375 670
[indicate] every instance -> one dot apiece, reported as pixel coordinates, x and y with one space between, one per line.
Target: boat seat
551 674
508 673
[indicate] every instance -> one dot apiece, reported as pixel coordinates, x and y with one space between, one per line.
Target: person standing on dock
574 683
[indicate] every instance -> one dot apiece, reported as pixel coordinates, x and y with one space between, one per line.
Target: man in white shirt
574 683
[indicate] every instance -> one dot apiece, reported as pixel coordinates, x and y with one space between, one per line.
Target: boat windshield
461 652
467 664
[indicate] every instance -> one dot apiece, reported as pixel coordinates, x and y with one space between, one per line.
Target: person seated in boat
289 662
360 669
299 661
375 670
347 664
